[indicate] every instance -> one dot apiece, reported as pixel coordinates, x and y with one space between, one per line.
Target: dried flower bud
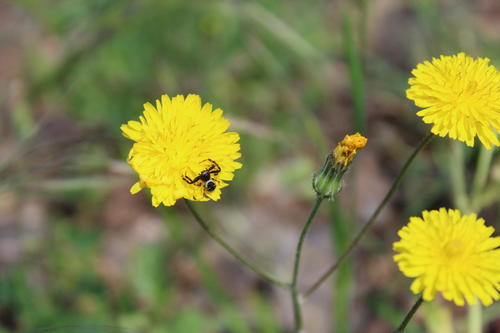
347 149
327 182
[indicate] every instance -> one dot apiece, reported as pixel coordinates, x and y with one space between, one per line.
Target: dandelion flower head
348 147
460 96
452 254
174 142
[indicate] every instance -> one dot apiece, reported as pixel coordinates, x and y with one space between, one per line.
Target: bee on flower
182 150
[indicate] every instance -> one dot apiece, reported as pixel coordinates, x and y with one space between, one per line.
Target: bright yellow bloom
452 254
460 96
347 148
174 143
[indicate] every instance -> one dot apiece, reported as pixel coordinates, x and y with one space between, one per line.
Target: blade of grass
354 64
363 33
264 314
342 285
432 25
281 30
310 56
232 318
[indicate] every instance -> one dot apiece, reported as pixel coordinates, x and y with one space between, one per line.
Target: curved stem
293 287
229 249
409 315
372 219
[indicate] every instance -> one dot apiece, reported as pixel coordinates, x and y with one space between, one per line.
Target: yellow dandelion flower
452 254
460 96
182 150
347 148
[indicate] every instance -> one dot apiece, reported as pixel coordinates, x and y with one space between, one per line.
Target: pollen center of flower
453 248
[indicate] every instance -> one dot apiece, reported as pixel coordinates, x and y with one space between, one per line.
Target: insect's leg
188 180
214 165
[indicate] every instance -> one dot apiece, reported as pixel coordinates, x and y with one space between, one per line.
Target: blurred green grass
292 76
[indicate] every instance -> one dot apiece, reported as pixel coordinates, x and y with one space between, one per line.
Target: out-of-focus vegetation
78 253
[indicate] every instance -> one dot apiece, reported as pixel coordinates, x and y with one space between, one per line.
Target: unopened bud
327 182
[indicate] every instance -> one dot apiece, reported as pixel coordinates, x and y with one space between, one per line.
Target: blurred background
78 253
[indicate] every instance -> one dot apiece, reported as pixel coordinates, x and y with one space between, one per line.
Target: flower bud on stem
327 182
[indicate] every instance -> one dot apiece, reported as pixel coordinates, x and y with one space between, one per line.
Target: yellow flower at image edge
452 254
460 96
182 150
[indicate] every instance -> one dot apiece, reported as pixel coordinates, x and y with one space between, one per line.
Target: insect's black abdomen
210 185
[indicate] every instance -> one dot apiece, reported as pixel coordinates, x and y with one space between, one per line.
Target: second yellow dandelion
460 96
452 254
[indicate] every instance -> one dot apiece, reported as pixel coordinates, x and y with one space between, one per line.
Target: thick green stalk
482 170
372 219
457 174
409 315
293 287
480 178
474 318
470 204
229 249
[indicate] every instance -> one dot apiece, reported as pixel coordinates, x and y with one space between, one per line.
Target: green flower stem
470 204
474 318
489 196
409 315
232 251
474 313
372 219
457 174
480 177
293 287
